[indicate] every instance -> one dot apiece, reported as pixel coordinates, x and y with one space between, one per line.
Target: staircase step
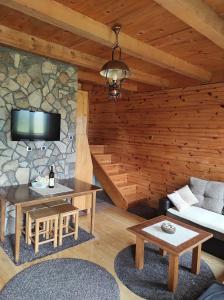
103 158
134 198
112 168
119 178
128 189
97 149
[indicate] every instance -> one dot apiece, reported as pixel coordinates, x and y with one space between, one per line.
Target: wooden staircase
113 176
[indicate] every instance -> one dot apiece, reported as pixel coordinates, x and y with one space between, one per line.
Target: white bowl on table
39 185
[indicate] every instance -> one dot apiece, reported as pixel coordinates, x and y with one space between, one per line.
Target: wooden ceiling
143 20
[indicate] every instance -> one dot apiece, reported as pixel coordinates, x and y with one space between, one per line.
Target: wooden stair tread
136 197
119 174
97 149
103 158
127 189
112 165
125 184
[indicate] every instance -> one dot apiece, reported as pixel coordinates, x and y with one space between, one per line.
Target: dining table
23 195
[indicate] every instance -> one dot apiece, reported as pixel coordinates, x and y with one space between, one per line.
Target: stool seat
65 208
43 213
33 207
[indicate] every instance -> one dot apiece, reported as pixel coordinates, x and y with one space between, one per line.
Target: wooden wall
166 136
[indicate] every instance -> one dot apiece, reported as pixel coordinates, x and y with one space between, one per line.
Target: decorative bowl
168 228
38 185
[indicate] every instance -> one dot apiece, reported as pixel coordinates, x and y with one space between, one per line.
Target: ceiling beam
97 79
199 15
68 19
24 41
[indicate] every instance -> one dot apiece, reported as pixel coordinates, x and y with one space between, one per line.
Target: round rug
62 279
151 281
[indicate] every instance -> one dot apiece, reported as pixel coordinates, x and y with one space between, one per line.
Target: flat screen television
35 125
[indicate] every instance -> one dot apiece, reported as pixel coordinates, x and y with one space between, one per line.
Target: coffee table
185 238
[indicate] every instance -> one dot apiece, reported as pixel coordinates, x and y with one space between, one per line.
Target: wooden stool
43 216
26 211
66 211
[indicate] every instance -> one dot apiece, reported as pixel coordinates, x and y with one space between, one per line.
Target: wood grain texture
31 43
163 31
166 136
84 166
173 272
77 23
200 16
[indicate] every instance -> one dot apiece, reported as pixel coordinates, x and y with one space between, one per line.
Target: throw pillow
197 187
187 195
213 197
177 201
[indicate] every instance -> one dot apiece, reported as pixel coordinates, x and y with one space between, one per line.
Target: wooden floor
111 237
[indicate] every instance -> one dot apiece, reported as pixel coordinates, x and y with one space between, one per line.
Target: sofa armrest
164 205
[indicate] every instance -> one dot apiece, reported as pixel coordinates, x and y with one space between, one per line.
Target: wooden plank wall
167 136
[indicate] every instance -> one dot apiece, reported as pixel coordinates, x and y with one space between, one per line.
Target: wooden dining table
22 196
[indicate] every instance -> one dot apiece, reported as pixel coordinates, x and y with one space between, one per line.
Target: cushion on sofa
201 216
197 187
210 194
177 201
213 196
187 195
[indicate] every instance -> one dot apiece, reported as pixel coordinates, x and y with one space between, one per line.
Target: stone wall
31 82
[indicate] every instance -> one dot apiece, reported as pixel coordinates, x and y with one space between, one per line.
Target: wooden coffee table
185 238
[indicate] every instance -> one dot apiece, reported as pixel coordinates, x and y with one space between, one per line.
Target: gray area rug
151 281
27 251
59 279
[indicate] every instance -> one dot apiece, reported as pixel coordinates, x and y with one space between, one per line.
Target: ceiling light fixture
115 70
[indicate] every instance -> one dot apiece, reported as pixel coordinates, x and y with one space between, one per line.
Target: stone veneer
32 82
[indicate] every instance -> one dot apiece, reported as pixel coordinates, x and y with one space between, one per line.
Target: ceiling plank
68 19
97 79
199 15
36 45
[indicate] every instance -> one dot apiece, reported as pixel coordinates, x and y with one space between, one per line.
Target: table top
198 239
22 194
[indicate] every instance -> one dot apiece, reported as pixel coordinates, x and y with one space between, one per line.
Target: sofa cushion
177 201
197 187
187 195
213 197
210 194
201 217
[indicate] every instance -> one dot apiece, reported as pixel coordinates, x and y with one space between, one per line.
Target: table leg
2 234
18 231
139 253
93 211
162 252
173 272
196 260
73 203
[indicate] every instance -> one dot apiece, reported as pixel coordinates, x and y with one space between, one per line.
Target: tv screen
35 125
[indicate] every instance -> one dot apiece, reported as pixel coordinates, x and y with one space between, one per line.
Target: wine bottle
51 178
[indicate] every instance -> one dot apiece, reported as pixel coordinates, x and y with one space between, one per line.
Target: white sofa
208 214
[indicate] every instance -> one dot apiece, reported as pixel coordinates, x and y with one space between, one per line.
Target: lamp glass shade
115 70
